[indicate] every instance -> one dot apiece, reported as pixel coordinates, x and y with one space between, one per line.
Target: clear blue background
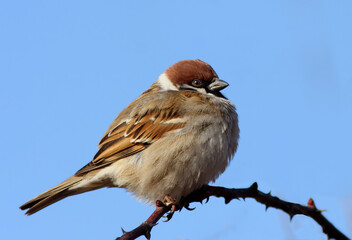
67 68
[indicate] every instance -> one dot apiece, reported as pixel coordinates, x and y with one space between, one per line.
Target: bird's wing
135 133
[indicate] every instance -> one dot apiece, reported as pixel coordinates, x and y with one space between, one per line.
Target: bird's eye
197 83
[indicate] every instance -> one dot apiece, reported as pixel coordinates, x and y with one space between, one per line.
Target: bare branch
229 194
146 227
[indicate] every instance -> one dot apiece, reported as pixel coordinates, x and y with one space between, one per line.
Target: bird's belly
176 166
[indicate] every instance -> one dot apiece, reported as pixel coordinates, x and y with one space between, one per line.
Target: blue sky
67 68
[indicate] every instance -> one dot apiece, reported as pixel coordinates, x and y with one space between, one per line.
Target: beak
217 85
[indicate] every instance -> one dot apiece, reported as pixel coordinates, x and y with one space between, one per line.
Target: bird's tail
64 189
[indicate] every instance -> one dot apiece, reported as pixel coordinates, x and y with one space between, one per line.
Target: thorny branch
235 193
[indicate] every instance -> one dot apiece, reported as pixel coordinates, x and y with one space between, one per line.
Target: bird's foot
169 201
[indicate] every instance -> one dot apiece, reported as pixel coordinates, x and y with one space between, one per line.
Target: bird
177 136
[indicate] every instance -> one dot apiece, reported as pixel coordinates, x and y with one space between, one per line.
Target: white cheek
165 83
202 90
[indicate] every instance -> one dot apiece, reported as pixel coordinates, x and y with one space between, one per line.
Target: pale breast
190 157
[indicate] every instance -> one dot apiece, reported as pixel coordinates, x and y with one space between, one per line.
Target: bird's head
192 75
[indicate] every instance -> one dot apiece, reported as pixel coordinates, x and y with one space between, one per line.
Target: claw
169 201
169 216
189 208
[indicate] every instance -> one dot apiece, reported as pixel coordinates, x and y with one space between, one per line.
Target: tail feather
52 195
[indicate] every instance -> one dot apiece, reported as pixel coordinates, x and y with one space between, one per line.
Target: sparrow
179 135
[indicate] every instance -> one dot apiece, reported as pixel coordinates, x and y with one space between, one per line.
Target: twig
146 227
235 193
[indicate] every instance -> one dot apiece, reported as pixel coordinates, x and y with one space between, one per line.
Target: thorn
227 200
311 203
123 230
147 235
266 207
207 200
149 226
269 193
244 198
291 216
254 186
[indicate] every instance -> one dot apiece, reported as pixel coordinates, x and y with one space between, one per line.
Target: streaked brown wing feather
132 136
